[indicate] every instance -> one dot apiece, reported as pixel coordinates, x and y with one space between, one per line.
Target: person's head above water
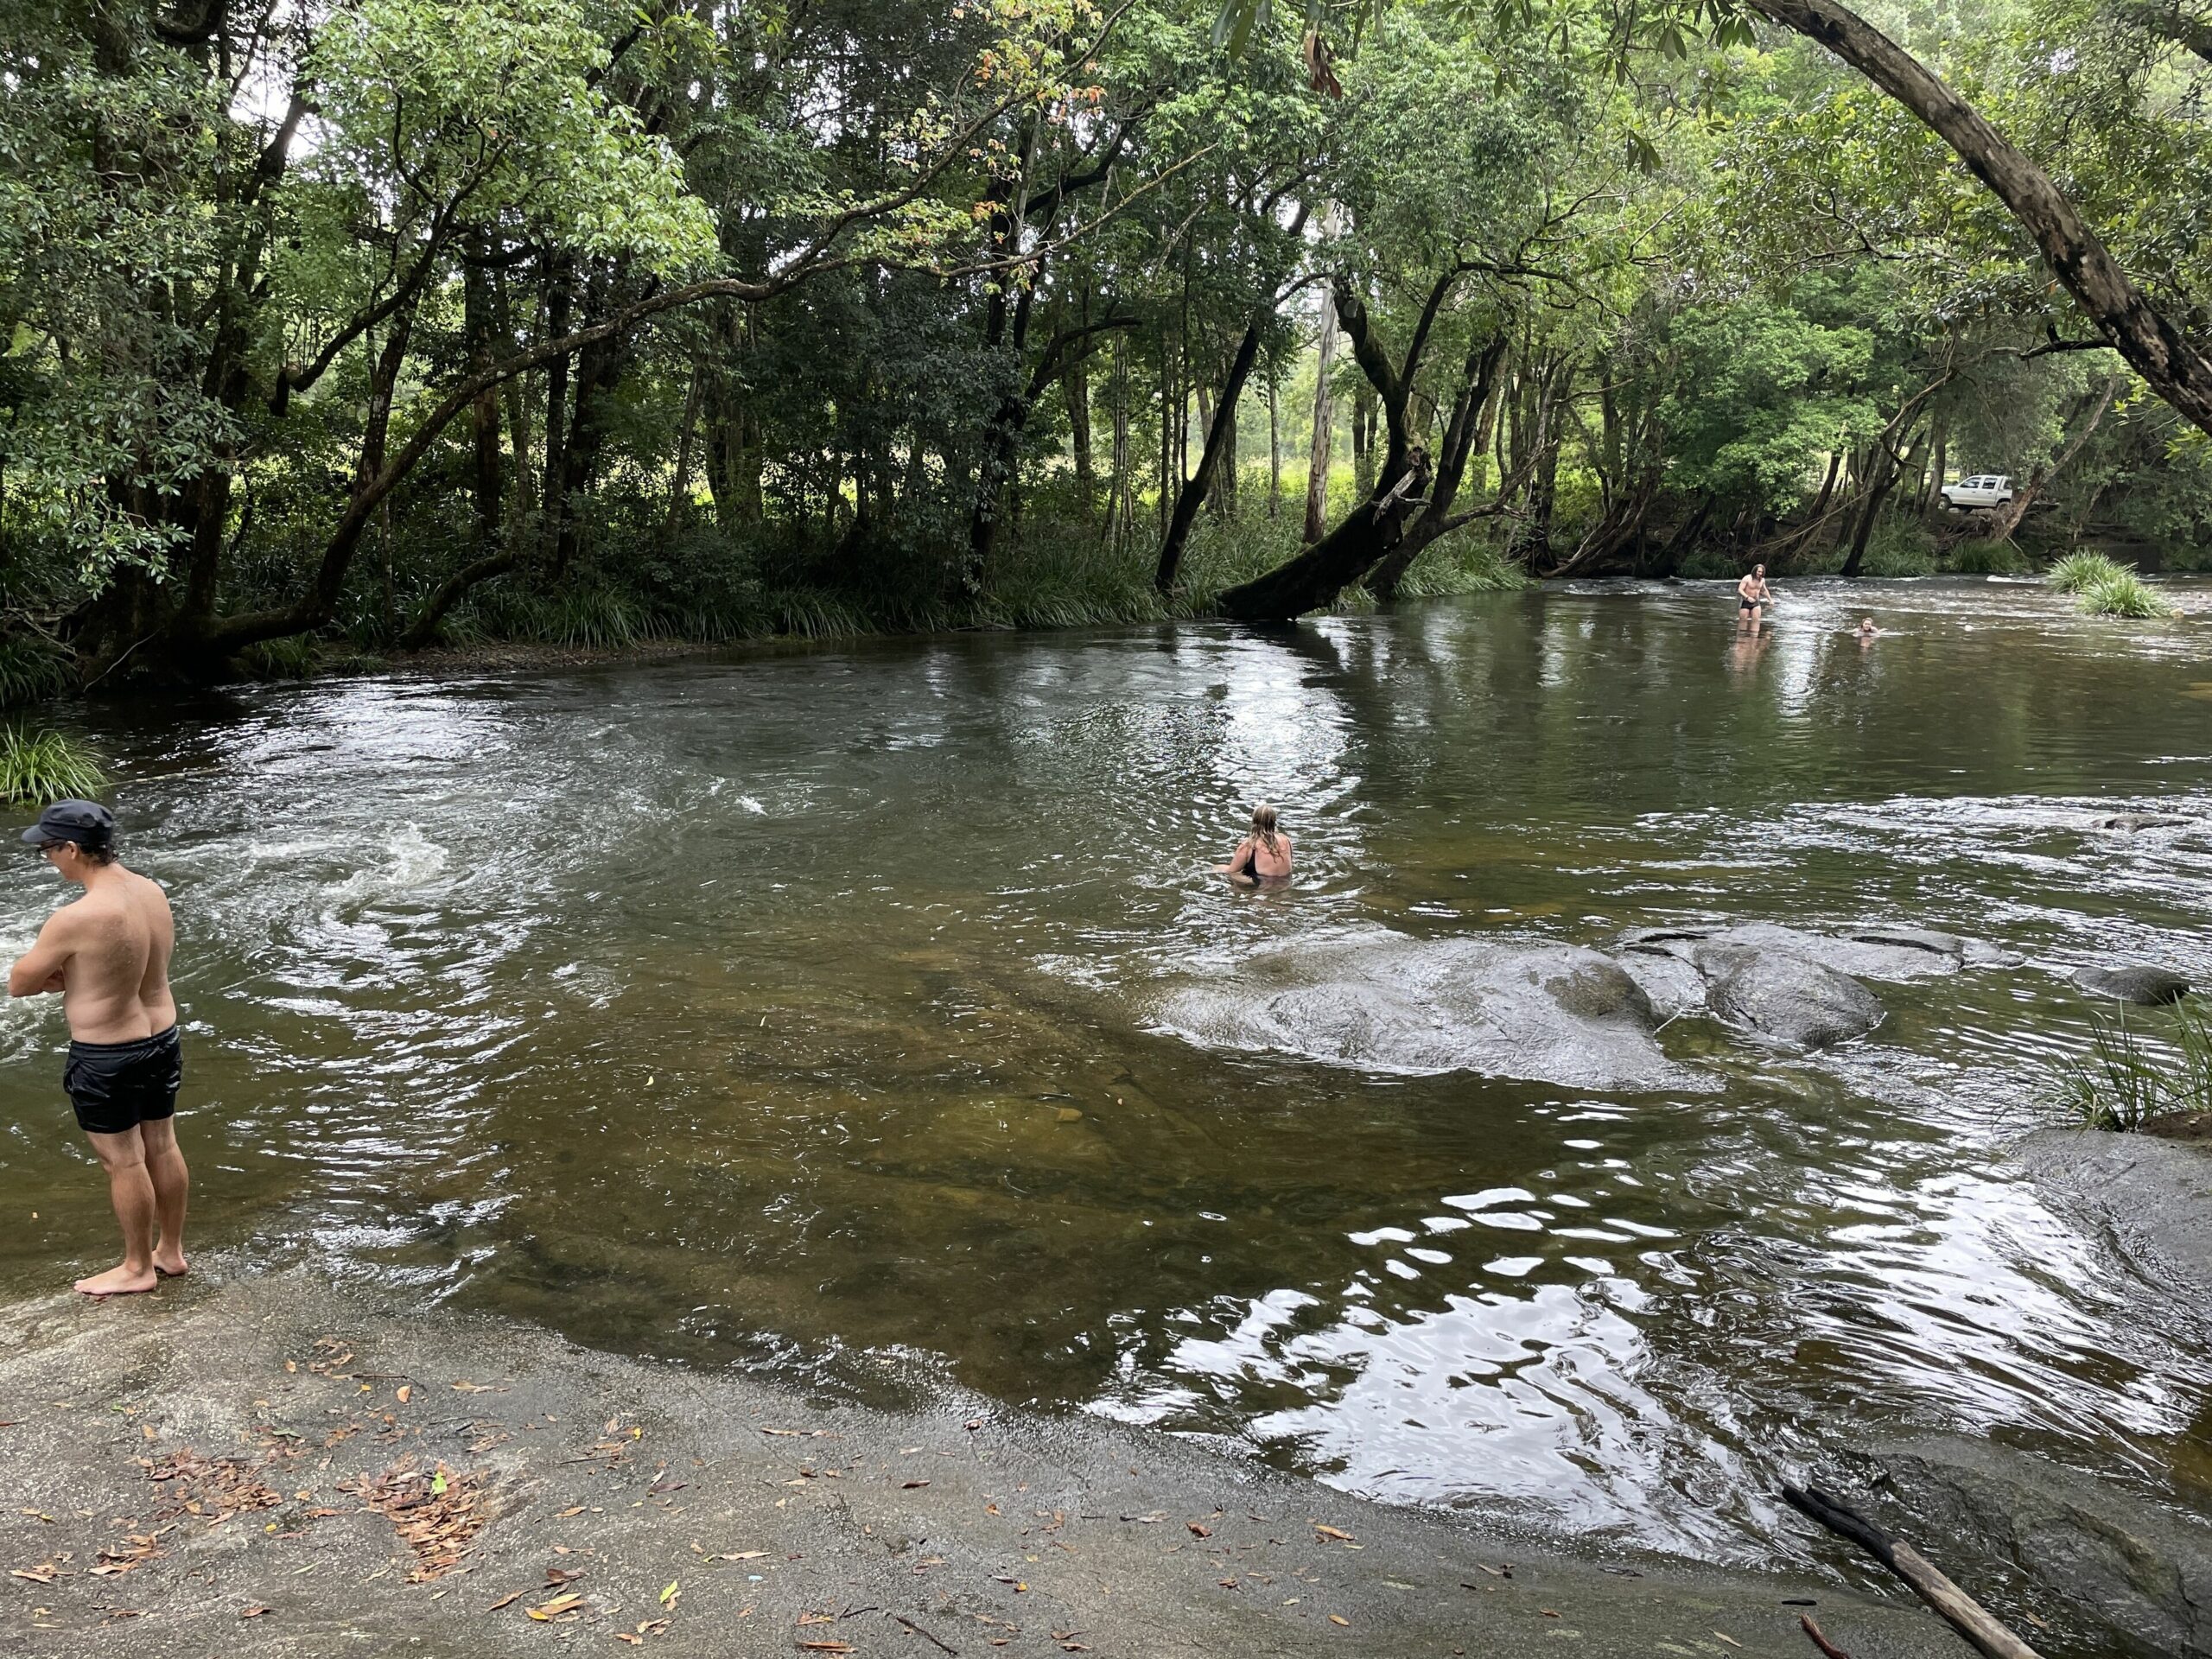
1263 823
1866 625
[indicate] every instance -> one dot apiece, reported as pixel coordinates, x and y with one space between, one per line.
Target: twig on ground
1826 1647
1959 1610
939 1644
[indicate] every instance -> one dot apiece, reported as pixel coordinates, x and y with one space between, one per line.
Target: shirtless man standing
108 954
1752 597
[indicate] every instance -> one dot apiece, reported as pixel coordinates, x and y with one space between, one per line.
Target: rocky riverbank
274 1466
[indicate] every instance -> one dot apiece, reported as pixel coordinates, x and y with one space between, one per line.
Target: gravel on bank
273 1465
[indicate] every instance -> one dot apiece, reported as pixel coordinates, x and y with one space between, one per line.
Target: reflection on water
803 1005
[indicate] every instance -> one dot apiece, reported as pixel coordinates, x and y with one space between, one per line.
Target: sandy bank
252 1468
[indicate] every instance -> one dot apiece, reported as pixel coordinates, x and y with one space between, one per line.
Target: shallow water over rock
828 1002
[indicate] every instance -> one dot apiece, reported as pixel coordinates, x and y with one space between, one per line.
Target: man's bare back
107 953
119 934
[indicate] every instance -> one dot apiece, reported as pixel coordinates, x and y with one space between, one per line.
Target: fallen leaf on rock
1547 1612
1198 1531
634 1641
403 1394
577 1509
44 1572
1331 1532
1339 1618
827 1647
817 1618
555 1607
1730 1640
253 1612
668 1596
509 1599
913 1485
742 1556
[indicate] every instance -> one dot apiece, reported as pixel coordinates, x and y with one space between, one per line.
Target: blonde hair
1263 825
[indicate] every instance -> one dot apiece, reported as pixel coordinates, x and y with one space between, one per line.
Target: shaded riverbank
247 1467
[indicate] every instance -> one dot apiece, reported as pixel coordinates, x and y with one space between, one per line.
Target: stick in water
1959 1610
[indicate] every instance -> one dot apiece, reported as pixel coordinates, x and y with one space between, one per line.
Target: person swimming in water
1866 629
1752 597
1262 855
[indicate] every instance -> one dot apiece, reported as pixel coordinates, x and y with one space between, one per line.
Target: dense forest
342 329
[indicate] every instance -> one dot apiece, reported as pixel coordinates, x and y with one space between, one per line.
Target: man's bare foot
118 1281
171 1267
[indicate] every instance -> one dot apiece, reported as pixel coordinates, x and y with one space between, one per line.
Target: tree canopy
353 326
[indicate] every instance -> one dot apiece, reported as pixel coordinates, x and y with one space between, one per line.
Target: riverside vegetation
331 332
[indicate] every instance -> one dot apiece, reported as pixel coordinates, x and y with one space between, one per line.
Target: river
813 1009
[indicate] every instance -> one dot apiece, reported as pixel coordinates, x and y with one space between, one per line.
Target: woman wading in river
1262 855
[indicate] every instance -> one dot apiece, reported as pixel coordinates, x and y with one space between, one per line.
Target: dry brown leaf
912 1485
827 1647
1198 1531
1730 1640
574 1509
1332 1532
507 1600
253 1612
555 1607
44 1572
634 1641
1339 1618
403 1394
742 1556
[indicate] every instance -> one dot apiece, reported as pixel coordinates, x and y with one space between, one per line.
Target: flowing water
813 1009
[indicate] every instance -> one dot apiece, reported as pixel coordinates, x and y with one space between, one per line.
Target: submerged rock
1785 997
2134 982
1877 952
1503 1007
2108 1569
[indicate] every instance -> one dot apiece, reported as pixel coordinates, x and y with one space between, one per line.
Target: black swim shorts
117 1086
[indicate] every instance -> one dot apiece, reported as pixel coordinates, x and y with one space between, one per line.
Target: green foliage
294 658
2121 593
1988 558
42 766
31 669
2079 571
2127 1078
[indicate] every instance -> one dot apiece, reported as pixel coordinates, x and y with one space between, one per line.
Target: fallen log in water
1960 1611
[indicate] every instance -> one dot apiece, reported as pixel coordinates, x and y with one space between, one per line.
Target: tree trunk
2006 519
1939 465
1464 437
1275 456
484 411
1317 470
2176 367
1220 437
1076 385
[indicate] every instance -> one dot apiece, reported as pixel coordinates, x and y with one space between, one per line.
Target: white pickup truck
1982 490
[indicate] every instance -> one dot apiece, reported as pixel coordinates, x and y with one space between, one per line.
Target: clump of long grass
2123 593
2079 570
31 669
294 658
2126 1080
39 767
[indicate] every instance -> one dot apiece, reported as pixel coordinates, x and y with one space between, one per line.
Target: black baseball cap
86 823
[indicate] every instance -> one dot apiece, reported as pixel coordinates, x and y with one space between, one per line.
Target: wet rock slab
2145 985
253 1470
2105 1569
1505 1007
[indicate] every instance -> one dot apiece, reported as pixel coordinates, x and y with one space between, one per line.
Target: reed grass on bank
37 768
2127 1078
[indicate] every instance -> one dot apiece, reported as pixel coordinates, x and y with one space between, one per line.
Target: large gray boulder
2107 1570
2134 982
1784 997
1499 1007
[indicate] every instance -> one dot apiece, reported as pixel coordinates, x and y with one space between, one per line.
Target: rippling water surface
790 1008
